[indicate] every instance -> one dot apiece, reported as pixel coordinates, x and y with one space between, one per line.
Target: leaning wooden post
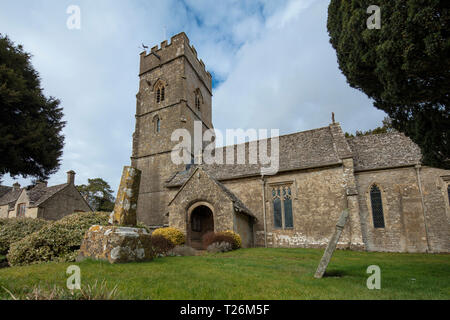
331 245
126 202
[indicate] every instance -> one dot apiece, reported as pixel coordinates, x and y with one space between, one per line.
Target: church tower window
282 207
157 124
160 93
198 99
377 207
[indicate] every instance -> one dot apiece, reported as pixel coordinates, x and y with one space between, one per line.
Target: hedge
15 229
57 241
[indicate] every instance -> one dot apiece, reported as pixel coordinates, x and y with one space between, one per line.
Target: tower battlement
178 47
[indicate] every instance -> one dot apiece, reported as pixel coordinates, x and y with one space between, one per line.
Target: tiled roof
10 197
301 150
378 151
4 190
238 204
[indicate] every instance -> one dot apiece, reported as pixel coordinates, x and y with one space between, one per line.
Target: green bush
15 229
174 235
58 241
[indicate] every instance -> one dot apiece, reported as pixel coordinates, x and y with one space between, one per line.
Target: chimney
16 186
71 177
41 183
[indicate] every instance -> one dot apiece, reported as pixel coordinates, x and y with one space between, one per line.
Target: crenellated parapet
178 47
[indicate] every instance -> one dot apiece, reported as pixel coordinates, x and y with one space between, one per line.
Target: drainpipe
417 167
264 208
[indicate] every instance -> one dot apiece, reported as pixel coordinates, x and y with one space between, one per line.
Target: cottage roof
4 190
40 193
10 197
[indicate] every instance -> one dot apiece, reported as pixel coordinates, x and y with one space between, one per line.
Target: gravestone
331 245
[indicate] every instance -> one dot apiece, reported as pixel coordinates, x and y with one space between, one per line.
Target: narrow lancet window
377 207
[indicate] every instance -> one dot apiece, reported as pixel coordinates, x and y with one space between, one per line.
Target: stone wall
318 199
402 208
437 210
4 211
197 190
244 227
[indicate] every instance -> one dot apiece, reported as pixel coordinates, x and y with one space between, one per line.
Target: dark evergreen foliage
98 194
404 66
31 139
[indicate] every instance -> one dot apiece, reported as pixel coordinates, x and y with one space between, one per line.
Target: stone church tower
174 91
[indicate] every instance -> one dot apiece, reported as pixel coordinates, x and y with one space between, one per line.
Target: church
395 203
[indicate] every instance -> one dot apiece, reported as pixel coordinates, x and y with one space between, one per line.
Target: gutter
263 180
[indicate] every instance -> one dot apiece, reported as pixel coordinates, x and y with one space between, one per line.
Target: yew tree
404 65
31 139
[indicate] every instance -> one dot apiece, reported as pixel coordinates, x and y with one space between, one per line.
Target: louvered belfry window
377 207
282 207
158 95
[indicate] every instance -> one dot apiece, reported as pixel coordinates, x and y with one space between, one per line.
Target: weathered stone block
127 197
116 244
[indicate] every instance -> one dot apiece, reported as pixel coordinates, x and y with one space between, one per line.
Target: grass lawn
257 273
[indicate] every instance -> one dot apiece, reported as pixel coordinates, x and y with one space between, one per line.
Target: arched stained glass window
377 207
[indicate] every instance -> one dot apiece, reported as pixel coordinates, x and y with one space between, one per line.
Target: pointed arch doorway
201 221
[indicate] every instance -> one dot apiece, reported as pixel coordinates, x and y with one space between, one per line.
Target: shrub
57 241
15 229
161 245
225 236
220 247
237 238
174 235
216 237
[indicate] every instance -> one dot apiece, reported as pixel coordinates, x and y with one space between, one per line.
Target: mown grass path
252 274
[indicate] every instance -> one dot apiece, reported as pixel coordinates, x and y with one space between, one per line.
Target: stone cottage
395 203
41 201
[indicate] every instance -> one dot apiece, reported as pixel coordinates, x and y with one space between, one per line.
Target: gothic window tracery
282 207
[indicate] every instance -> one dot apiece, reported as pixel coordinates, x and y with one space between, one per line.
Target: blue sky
272 64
